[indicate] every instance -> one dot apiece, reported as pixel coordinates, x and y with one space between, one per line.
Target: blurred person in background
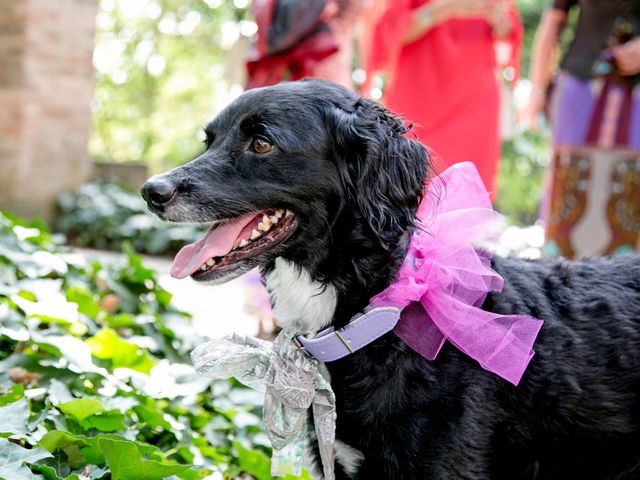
441 57
592 202
304 38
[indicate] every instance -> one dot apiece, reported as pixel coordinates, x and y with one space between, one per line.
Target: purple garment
573 103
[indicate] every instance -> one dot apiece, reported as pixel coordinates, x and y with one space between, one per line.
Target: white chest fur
300 303
349 457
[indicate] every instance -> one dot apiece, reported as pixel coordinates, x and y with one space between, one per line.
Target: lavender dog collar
330 344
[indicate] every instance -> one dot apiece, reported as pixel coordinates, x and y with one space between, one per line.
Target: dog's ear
381 171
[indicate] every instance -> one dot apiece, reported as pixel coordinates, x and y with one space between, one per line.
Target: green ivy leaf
79 450
254 462
85 300
49 473
194 474
126 462
107 345
12 460
59 392
120 321
15 418
149 413
112 421
75 457
81 408
71 348
15 393
86 449
16 331
56 439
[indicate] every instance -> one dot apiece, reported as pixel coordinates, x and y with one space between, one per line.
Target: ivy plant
104 215
95 376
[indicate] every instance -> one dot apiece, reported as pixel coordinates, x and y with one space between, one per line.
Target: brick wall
46 88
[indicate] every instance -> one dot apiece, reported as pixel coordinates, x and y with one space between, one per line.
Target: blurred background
121 89
97 95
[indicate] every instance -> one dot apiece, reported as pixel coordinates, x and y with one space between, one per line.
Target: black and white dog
319 188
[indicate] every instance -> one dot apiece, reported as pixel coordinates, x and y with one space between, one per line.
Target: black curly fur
346 168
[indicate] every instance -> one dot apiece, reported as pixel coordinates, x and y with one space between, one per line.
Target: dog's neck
304 303
300 303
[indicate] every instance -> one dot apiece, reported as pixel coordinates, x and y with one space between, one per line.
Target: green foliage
95 381
524 159
530 11
14 460
104 215
125 462
107 345
15 418
159 75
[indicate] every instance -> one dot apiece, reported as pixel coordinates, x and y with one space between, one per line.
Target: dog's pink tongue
217 242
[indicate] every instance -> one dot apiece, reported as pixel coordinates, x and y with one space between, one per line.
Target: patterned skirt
593 206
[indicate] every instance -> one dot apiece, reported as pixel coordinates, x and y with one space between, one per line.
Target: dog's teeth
211 262
264 226
265 219
243 243
274 219
279 213
255 234
203 266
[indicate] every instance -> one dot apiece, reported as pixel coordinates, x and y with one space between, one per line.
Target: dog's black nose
158 192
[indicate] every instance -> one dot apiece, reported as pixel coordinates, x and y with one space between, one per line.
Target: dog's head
305 170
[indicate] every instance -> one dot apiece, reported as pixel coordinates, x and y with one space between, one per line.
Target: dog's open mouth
234 245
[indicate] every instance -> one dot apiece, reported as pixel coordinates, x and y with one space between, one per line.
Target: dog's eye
261 145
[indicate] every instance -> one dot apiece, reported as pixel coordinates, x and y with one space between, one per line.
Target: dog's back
578 405
575 413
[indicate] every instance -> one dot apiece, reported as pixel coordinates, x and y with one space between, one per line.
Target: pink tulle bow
444 280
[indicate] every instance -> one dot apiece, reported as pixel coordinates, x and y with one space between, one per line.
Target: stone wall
46 86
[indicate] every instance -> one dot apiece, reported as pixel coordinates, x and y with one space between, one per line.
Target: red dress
445 84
